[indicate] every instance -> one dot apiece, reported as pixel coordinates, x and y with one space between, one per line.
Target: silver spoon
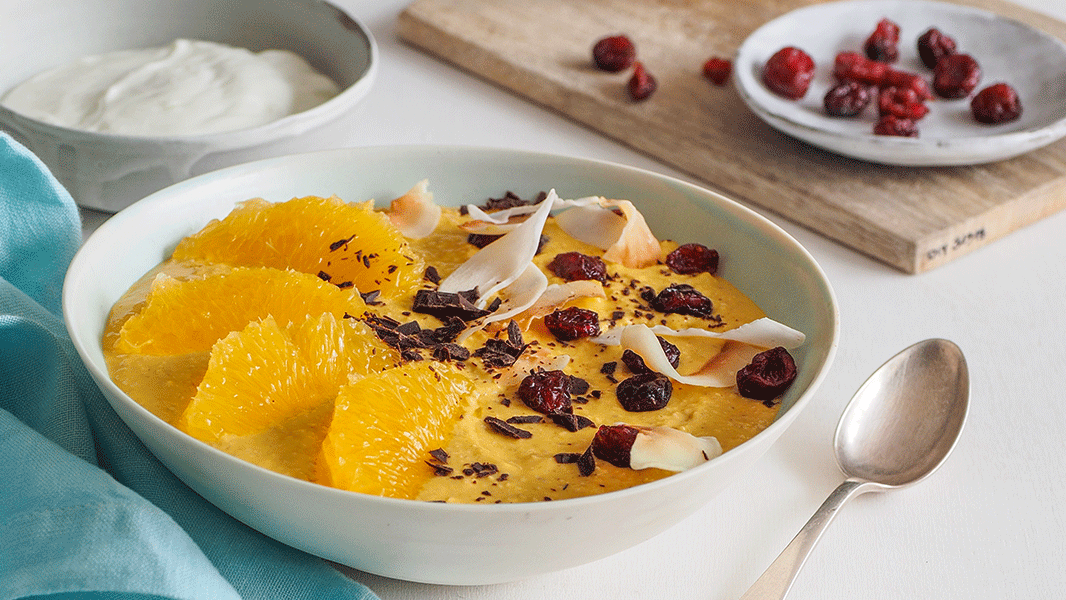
898 428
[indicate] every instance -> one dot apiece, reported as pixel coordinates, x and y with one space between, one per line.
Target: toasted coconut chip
497 265
593 225
516 298
764 332
415 213
487 227
718 372
671 449
557 294
637 246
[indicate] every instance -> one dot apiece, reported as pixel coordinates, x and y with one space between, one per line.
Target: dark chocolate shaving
439 454
586 464
567 458
522 419
507 429
571 422
445 352
431 275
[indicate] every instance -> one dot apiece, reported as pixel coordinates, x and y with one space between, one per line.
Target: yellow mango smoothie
514 351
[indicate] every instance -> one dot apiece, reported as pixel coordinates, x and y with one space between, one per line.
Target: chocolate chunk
483 469
450 351
571 422
439 469
507 429
586 463
439 454
371 297
567 458
431 275
444 305
578 386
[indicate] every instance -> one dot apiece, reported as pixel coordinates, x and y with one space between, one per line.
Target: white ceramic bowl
108 172
432 542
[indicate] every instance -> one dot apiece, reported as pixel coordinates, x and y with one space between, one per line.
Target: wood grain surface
913 219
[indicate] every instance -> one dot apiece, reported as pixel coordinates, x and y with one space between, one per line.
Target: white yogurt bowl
108 172
433 542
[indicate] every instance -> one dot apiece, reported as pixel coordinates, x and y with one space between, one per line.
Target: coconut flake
415 213
719 372
521 294
498 264
764 332
627 239
671 449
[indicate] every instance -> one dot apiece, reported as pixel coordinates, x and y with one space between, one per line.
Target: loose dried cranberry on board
645 392
997 103
574 266
573 322
689 259
883 43
789 72
642 84
893 125
847 99
956 75
849 66
546 392
901 102
614 53
932 45
717 70
613 443
768 376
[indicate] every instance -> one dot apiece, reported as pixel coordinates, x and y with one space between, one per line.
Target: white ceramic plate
426 541
1031 61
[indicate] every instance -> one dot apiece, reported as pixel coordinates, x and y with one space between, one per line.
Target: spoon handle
779 576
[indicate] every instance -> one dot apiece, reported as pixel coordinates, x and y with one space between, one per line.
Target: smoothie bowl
436 455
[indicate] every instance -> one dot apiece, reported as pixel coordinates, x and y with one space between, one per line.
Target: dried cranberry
893 125
614 53
717 70
642 84
882 45
901 102
613 443
635 363
546 392
768 376
932 45
688 259
682 299
789 72
849 66
644 392
956 75
570 323
903 79
997 103
573 266
847 99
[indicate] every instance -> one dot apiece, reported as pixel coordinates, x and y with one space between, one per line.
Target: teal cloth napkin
85 510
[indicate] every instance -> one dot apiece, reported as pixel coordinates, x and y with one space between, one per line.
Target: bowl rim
77 271
291 124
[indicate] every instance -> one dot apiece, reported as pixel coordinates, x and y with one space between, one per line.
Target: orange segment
181 317
385 424
265 374
345 241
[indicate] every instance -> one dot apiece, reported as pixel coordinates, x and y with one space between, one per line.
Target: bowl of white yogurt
138 95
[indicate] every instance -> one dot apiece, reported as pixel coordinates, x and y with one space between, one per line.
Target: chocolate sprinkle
507 429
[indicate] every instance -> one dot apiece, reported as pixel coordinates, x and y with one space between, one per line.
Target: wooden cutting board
913 219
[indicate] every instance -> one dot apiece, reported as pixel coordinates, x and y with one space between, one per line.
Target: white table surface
990 524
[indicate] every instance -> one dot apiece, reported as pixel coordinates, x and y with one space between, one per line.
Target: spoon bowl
900 426
905 419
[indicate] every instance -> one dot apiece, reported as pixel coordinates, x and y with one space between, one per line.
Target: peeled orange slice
266 374
184 316
346 243
385 424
